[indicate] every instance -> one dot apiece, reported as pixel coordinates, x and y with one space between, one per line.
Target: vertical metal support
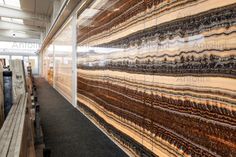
74 60
54 63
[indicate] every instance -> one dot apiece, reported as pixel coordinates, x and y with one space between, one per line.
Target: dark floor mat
67 132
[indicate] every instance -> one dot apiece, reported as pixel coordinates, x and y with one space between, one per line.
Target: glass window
63 61
17 57
57 62
48 64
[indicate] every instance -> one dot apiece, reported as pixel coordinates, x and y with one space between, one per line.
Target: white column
74 60
40 63
54 64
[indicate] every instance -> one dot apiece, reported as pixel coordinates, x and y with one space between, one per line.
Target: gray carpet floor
67 132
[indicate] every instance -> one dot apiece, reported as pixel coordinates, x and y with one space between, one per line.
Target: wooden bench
13 134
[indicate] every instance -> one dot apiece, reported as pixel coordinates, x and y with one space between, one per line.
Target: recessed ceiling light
7 19
14 3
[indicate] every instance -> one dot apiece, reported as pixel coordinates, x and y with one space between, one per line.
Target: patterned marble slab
159 76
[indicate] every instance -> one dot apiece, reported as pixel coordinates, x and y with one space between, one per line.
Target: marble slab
18 78
159 77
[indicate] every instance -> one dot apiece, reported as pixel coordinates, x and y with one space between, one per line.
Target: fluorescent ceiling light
7 19
14 3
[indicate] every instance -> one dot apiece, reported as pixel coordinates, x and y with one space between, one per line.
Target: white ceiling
24 19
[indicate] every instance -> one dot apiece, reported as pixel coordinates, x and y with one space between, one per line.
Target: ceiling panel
37 6
28 5
43 6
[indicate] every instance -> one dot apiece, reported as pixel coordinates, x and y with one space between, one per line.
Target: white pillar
54 64
74 60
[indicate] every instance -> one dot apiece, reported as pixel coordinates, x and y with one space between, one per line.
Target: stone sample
159 76
18 78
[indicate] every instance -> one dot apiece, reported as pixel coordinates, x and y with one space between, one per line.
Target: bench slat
6 128
9 134
18 130
13 129
9 117
18 136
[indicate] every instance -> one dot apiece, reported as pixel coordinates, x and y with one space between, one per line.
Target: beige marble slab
18 78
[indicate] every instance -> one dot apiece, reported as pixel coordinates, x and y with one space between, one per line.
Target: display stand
17 132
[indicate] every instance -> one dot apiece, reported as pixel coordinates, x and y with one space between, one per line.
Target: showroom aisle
67 132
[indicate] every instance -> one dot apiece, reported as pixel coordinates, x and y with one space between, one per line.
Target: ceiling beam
35 23
6 53
6 11
16 39
18 27
7 32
